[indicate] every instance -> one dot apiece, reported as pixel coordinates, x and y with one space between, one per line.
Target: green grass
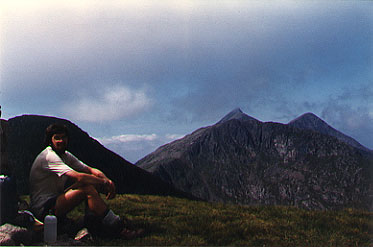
173 221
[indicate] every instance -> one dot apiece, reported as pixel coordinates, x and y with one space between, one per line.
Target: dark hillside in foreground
242 160
25 142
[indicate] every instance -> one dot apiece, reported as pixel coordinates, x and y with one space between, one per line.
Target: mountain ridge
252 162
307 121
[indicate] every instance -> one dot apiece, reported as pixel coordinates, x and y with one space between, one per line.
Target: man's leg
72 198
114 226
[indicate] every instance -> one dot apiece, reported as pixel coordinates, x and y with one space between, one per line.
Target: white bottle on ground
50 228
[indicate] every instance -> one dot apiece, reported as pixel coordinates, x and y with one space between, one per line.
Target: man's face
59 142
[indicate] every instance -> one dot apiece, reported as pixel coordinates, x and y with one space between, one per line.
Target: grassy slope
174 221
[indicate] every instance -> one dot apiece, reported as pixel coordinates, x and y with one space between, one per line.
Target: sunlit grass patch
174 221
180 222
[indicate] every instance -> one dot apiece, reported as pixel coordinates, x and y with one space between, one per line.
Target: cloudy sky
138 74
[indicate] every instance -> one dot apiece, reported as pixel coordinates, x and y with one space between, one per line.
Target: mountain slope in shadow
26 141
242 160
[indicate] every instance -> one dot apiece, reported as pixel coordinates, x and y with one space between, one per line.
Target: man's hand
97 173
96 178
110 188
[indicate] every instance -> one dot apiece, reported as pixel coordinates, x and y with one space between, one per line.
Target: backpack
8 199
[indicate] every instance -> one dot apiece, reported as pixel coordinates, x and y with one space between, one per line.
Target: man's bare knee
89 190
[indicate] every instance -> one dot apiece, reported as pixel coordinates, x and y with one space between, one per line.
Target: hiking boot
83 236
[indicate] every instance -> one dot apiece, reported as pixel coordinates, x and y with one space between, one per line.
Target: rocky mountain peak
310 121
236 114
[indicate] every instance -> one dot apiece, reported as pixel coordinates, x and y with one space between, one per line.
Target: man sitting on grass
51 171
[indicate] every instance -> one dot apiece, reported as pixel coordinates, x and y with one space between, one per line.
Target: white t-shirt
47 178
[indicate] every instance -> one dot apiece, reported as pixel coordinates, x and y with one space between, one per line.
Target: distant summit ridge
307 121
310 121
236 114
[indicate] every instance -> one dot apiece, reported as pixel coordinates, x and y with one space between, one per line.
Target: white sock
110 218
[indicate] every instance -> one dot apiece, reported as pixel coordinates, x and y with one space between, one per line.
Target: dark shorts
49 207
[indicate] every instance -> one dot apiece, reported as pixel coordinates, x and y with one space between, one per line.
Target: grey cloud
112 103
356 123
157 45
351 112
225 73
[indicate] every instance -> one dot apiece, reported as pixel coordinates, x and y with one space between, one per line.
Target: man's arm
82 179
97 173
111 190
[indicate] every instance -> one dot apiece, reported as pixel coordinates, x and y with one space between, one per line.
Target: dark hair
53 129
